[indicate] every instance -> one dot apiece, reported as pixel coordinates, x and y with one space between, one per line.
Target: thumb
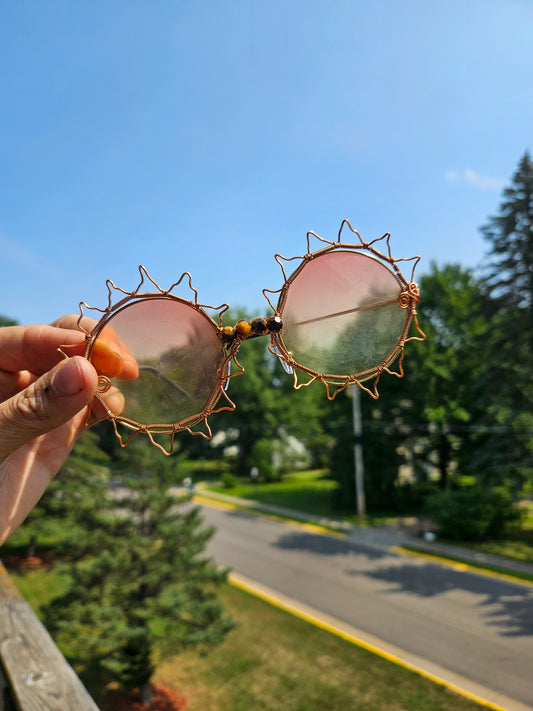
46 404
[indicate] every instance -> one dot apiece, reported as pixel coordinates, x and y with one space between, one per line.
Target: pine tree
139 578
509 278
508 351
82 480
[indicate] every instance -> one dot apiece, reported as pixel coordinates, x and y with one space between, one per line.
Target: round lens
341 314
159 360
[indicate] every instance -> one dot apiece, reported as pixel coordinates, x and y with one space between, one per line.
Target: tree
509 277
268 410
423 420
139 576
442 382
381 438
81 480
508 392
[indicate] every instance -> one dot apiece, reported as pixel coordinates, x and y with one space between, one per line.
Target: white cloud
475 180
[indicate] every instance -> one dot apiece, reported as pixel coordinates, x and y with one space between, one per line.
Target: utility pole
358 452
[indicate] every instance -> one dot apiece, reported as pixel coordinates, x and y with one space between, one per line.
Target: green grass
515 548
203 469
273 660
306 492
474 564
39 587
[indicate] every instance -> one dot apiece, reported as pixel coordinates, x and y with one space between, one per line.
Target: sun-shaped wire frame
139 309
99 328
406 298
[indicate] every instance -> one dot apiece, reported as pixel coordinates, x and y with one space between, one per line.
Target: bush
229 480
261 457
472 514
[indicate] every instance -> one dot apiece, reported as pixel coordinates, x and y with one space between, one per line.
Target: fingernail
68 380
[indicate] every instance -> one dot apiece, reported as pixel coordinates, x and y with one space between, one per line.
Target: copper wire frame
408 299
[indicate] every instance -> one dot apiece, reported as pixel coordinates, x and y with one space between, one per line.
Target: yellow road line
226 505
273 599
215 503
456 565
283 604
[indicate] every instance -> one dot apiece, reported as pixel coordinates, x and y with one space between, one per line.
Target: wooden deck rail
34 675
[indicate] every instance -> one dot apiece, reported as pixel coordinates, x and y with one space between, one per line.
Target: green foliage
268 409
261 457
229 480
509 278
504 453
381 442
71 494
139 577
6 321
473 514
442 374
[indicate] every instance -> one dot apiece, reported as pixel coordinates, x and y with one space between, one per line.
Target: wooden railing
34 675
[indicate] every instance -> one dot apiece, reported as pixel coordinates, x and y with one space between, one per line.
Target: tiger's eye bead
259 326
243 328
274 324
228 332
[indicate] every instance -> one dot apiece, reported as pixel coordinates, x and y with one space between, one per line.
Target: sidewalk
385 537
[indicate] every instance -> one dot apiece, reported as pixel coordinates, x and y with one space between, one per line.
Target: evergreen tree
509 278
81 480
139 576
507 454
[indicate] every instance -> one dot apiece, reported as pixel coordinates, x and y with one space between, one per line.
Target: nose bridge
244 329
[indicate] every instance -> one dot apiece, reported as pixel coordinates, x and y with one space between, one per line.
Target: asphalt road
477 627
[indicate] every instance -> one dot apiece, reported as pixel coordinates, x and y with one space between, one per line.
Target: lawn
307 492
273 660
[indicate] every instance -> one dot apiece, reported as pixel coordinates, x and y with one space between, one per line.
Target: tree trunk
146 694
32 547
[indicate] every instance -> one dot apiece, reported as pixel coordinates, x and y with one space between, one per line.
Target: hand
43 400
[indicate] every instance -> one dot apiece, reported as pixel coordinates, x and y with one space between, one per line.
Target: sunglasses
341 317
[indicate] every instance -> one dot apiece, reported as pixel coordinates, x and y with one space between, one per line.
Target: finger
75 322
46 404
29 470
35 348
11 383
109 355
108 405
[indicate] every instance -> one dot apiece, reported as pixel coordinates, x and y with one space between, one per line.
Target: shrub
229 480
261 457
472 514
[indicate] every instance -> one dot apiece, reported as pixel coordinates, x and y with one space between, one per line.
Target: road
457 624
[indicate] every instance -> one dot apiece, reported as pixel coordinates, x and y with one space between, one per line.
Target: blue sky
207 136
